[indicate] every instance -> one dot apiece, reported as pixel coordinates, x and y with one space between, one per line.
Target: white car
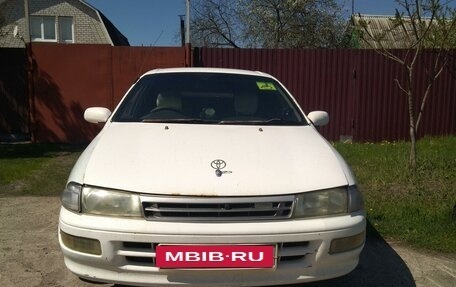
210 177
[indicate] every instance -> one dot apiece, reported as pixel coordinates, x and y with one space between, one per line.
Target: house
381 32
55 21
380 27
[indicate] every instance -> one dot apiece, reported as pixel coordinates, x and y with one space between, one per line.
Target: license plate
215 256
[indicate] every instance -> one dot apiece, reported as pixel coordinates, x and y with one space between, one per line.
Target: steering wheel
159 109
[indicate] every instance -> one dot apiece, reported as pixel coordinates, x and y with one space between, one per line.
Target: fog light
347 243
81 244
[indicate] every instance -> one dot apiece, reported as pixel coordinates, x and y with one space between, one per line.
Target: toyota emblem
218 165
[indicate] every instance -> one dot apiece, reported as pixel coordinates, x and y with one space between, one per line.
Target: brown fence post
30 91
188 55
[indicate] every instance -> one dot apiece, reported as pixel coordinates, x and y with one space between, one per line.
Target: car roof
208 70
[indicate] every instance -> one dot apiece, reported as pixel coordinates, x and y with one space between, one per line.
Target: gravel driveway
30 255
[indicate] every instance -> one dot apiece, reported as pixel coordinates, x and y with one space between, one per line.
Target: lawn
415 208
40 169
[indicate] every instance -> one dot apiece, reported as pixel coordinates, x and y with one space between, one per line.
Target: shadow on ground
379 265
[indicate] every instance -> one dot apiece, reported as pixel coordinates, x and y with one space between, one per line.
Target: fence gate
13 95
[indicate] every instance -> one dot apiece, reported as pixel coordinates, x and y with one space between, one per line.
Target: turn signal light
81 244
347 243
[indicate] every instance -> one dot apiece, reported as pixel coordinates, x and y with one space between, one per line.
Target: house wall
88 28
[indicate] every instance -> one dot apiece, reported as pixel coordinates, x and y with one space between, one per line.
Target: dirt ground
30 254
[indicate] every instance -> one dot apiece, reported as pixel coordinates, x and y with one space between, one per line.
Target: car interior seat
245 103
168 100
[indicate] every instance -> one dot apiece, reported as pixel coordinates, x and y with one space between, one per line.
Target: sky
156 22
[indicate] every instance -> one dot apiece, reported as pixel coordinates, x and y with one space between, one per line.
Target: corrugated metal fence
67 79
356 87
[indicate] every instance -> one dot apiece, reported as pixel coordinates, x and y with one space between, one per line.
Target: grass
40 169
413 207
416 208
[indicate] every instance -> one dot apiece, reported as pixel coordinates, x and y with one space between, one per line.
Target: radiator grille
217 208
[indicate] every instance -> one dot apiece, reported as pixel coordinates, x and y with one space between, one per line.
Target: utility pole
188 46
187 23
353 7
419 9
27 22
182 29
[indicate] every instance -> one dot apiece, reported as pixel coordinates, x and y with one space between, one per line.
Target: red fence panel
67 79
318 79
356 87
440 111
381 108
128 63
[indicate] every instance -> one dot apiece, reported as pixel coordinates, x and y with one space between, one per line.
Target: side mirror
318 118
97 115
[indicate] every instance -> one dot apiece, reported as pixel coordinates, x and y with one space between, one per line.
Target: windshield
208 98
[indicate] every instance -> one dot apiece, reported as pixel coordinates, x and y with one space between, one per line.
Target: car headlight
327 202
321 203
71 197
109 202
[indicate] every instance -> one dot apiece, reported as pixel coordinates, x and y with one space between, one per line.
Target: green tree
215 23
267 23
426 26
292 23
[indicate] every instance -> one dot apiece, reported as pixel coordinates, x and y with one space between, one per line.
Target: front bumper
128 249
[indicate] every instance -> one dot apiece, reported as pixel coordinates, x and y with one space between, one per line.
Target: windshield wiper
272 121
182 121
285 122
261 122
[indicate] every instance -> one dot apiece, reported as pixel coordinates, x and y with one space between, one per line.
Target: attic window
42 28
66 30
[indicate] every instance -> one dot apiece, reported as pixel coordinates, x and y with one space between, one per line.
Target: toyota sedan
210 177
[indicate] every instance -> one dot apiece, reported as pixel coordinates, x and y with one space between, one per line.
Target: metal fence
67 79
356 87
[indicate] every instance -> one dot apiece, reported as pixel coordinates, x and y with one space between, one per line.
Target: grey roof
117 38
386 32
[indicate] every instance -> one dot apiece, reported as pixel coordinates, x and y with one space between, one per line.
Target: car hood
175 159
